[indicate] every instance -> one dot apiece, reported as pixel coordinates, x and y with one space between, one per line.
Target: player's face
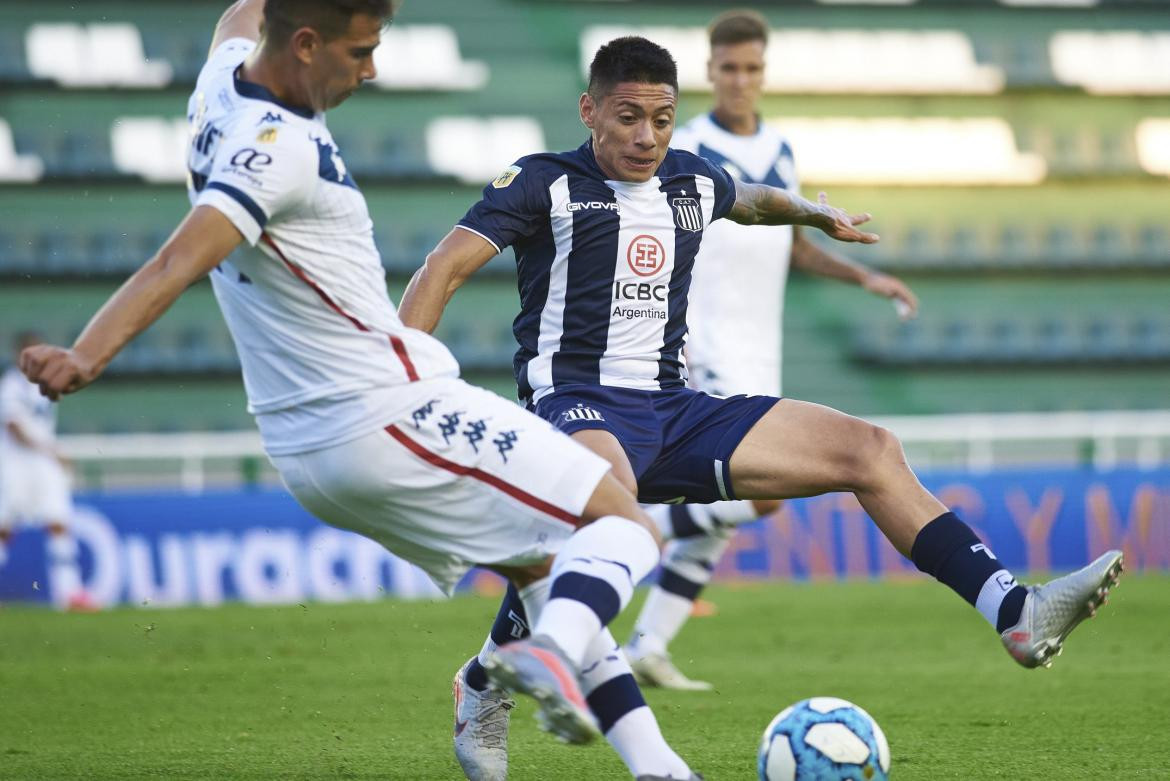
342 64
736 71
631 128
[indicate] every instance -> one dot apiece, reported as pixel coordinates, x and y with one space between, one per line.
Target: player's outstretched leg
802 449
482 713
593 578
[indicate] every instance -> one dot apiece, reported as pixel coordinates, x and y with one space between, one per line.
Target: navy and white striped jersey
604 267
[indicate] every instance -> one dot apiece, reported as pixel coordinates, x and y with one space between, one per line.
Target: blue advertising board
259 546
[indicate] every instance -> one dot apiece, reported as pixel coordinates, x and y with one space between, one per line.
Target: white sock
64 574
637 738
695 520
660 514
593 578
663 615
634 732
687 567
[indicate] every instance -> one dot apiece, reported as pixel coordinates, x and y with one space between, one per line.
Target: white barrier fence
976 443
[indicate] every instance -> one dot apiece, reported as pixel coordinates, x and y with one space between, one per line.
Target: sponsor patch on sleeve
505 179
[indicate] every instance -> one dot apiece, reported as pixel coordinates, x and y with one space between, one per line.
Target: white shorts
34 489
465 479
727 376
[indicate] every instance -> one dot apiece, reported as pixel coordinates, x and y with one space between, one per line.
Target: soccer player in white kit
728 350
34 481
366 419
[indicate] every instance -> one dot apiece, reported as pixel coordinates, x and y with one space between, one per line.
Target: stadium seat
151 147
881 61
12 61
1152 140
904 150
16 167
425 57
476 150
1112 62
1153 245
97 55
17 253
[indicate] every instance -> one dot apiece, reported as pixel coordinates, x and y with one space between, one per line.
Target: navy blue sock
511 624
614 699
948 549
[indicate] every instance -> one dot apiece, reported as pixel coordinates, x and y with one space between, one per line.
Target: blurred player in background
365 419
734 316
605 239
34 480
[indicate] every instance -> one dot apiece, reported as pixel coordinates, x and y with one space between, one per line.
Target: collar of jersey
715 121
250 89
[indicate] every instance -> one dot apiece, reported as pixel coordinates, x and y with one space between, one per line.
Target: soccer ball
824 739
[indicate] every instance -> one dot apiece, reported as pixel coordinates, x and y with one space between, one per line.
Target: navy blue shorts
679 441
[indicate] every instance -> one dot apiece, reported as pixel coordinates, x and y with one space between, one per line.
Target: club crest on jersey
505 179
646 255
267 135
581 412
687 214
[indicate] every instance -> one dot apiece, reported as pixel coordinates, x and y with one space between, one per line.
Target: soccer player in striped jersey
728 351
605 239
365 418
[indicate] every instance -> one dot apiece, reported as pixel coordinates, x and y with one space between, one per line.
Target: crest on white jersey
687 214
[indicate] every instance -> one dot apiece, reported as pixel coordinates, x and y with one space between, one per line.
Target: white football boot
658 671
538 668
1052 610
481 729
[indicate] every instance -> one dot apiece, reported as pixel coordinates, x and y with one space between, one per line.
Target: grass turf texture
362 690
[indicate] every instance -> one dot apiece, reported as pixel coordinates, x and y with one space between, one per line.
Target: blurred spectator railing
977 443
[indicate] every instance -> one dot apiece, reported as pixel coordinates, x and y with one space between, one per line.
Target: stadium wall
170 549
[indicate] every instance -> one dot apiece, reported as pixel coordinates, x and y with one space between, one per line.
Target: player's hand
905 302
56 370
841 225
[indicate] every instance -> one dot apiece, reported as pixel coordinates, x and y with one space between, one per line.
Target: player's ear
305 42
710 70
588 109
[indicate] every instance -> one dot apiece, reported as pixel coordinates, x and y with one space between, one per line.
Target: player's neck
737 124
272 74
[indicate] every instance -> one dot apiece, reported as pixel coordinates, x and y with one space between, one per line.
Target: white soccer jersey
737 292
325 357
21 403
33 485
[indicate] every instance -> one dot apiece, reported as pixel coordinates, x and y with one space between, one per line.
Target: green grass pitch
363 690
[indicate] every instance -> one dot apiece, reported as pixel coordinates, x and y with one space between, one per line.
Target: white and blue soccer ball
824 739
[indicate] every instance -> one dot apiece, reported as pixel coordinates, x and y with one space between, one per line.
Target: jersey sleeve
724 187
260 174
513 206
228 55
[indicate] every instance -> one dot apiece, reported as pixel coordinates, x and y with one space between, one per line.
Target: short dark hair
330 18
737 26
631 58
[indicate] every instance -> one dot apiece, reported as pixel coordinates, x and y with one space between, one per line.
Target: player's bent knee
872 453
612 497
